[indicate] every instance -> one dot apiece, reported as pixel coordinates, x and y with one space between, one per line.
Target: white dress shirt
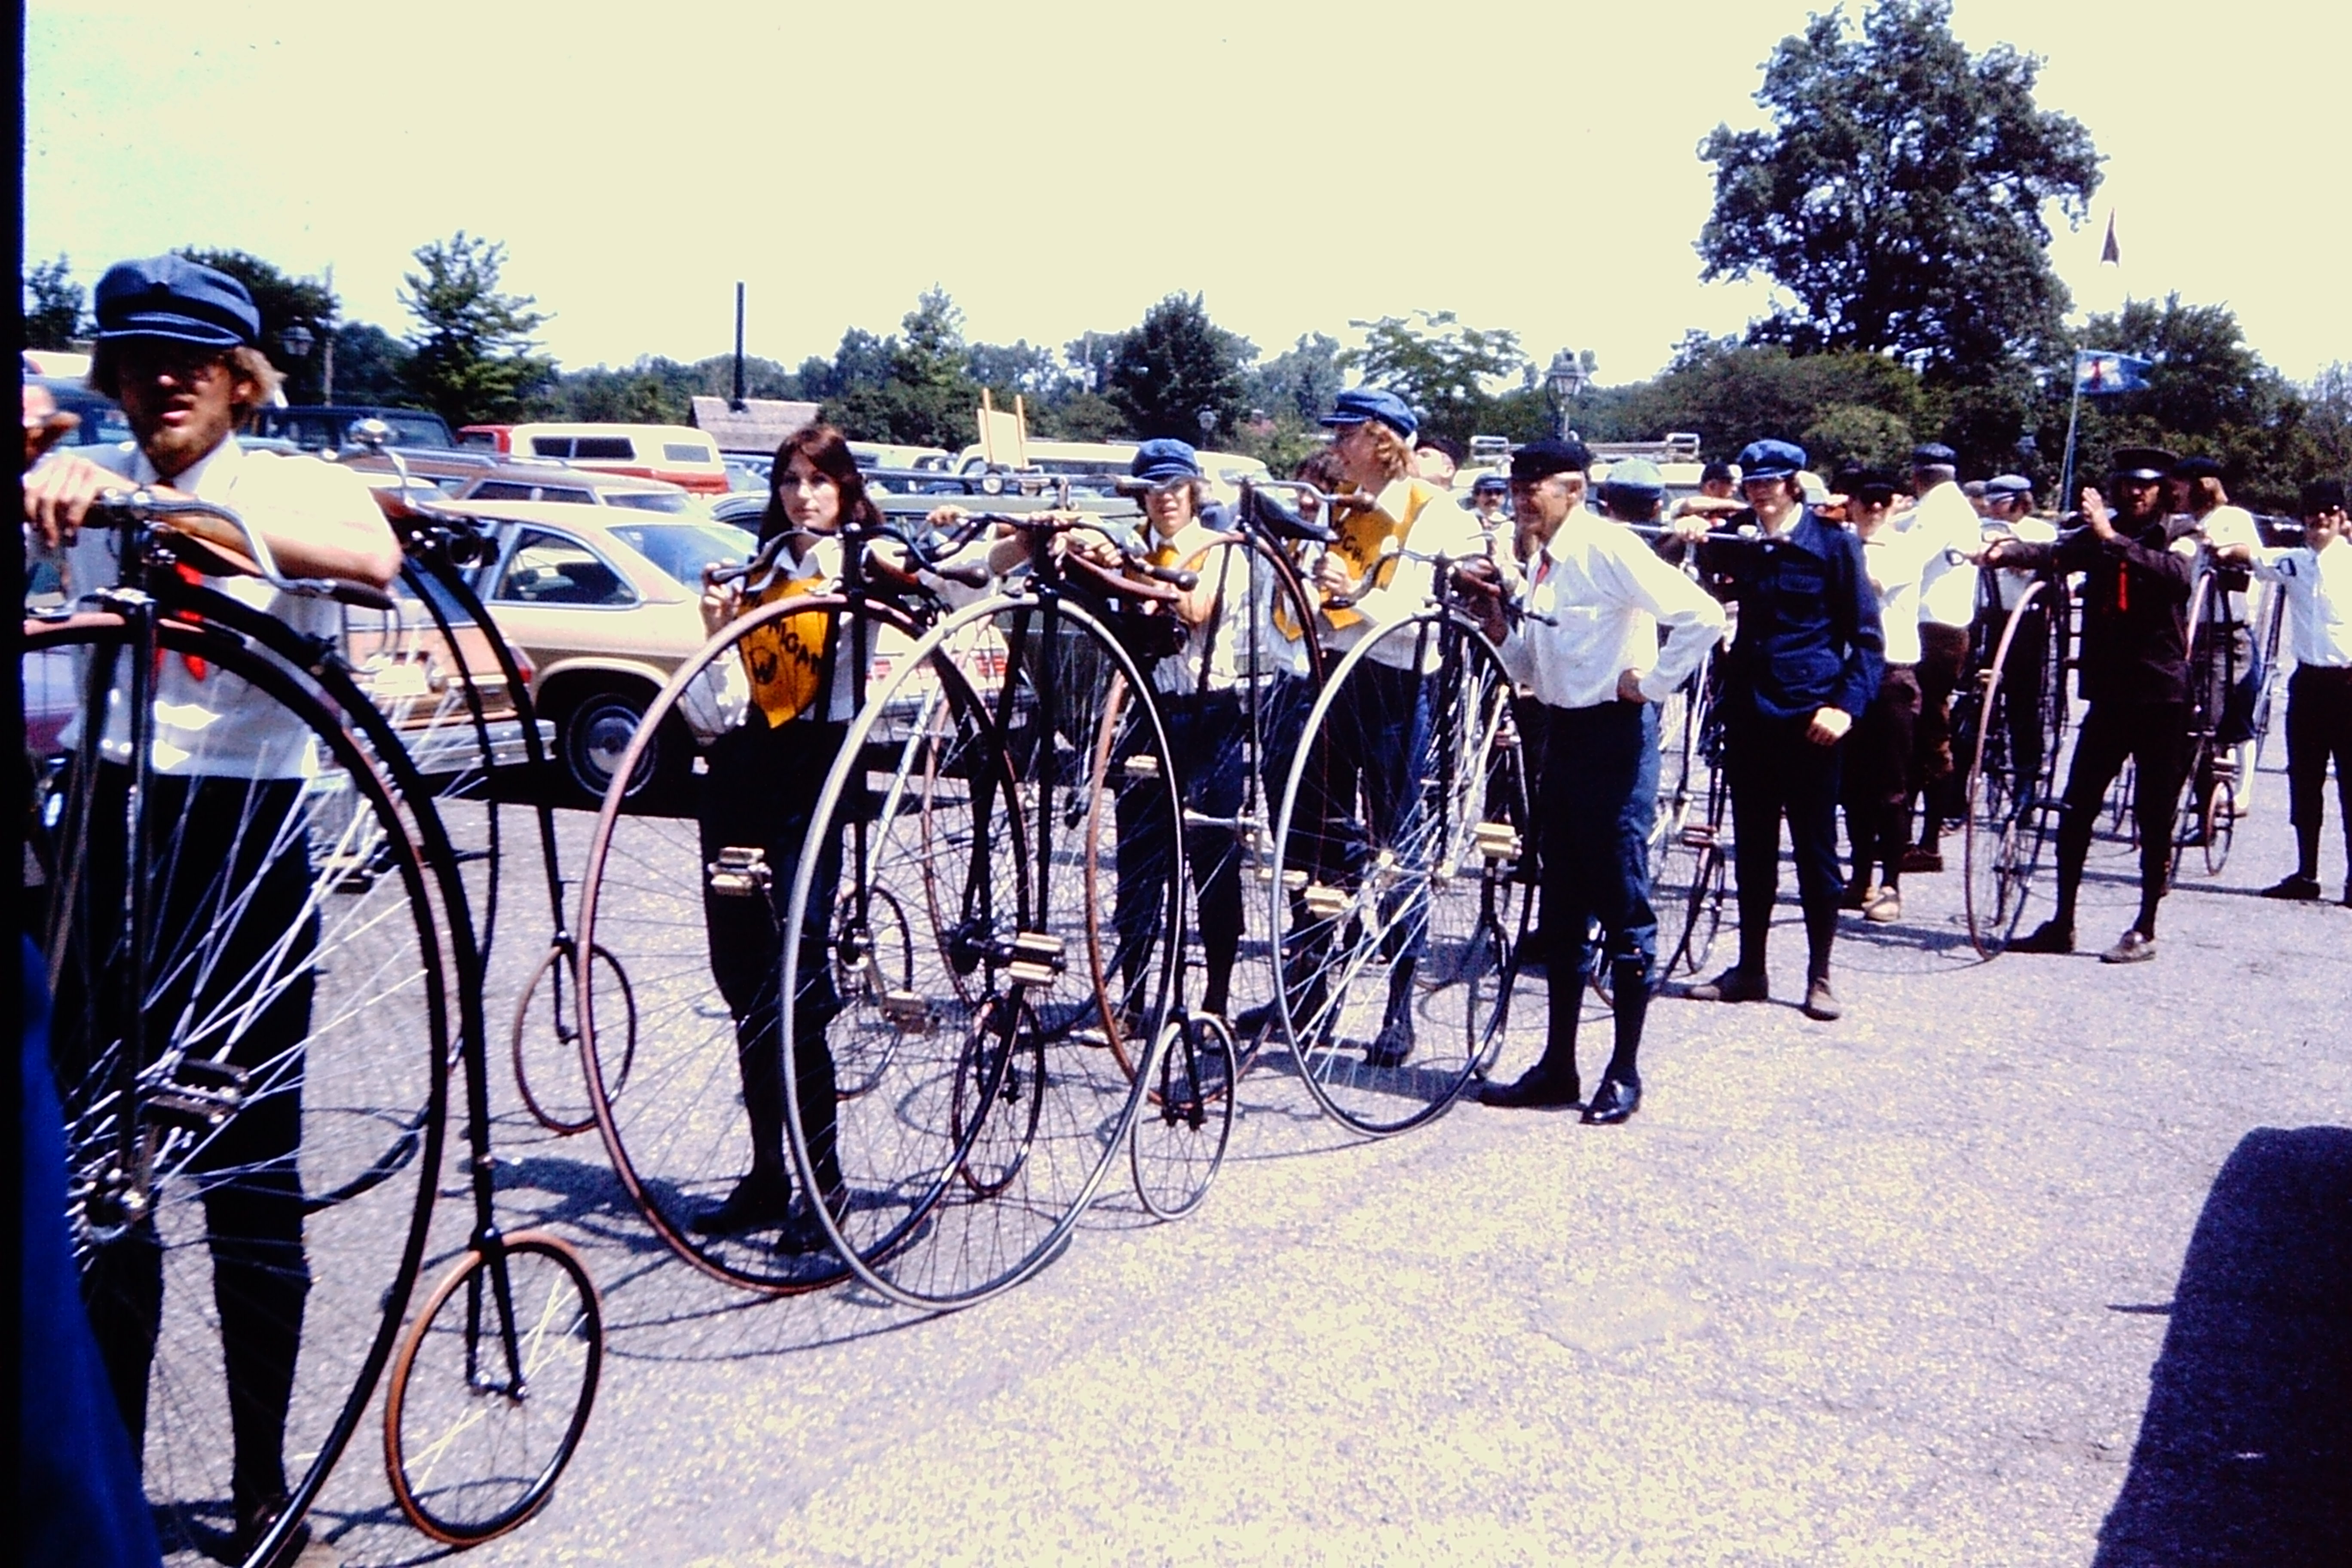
1948 588
212 723
1238 642
2318 588
1896 560
1406 585
1595 601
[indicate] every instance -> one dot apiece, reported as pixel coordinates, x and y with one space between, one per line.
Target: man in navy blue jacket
1805 661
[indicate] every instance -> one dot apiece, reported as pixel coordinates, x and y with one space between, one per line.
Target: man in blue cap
1588 648
1392 532
2134 671
177 347
1805 661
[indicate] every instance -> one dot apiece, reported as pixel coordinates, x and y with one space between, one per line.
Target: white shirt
2318 588
2226 525
215 724
1595 602
1442 529
2009 584
1239 642
1897 560
1948 588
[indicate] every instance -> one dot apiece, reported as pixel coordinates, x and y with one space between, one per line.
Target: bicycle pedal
1698 835
740 872
1324 901
907 1013
1037 959
1142 765
1496 840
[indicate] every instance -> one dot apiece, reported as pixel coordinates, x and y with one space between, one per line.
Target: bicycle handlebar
142 508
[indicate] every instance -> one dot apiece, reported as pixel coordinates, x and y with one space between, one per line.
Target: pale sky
1059 166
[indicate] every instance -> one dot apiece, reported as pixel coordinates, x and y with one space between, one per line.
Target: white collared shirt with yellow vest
1408 514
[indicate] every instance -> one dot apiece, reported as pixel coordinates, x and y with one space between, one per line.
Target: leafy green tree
371 365
1440 367
470 355
53 305
1730 393
282 302
1179 373
1898 196
913 388
1301 381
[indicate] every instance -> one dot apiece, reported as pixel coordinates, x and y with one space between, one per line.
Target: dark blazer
1808 634
2135 609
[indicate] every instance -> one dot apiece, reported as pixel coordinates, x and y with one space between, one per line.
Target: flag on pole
2107 252
2098 372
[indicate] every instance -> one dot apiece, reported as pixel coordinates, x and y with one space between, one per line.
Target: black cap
2141 463
2197 469
1933 455
1717 473
1542 459
2322 495
1860 482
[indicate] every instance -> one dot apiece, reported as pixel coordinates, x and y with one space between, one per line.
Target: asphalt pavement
2038 1261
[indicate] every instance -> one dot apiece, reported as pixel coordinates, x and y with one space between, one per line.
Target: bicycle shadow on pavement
2246 1448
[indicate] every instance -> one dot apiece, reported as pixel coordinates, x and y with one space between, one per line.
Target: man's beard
173 449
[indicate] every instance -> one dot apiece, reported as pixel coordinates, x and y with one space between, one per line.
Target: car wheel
596 734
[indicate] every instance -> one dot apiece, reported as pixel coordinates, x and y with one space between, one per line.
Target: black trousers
230 880
2318 730
1776 772
1943 651
1877 782
1208 740
1600 795
761 792
2155 737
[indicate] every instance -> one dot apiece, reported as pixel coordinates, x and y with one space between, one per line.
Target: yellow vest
1357 547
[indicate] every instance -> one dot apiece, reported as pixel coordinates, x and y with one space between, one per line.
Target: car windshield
683 549
648 500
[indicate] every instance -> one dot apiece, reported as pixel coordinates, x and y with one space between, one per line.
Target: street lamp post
297 341
1566 380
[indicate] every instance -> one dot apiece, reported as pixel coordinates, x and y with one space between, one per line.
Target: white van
678 454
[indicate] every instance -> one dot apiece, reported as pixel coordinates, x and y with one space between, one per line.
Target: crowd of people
1852 627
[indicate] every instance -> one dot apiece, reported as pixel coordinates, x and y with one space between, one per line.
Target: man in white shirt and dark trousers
1587 642
178 347
2317 582
1946 522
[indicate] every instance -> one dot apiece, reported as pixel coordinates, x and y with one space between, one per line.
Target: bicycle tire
555 1092
2009 805
1017 692
365 1081
473 1444
1180 1137
677 1134
1388 922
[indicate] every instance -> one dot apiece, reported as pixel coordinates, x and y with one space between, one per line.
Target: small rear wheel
1180 1133
2221 825
491 1389
545 1047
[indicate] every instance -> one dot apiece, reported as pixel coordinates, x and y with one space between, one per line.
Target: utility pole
736 402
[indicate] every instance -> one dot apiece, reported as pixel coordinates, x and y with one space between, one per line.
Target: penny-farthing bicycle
2008 724
976 788
1396 891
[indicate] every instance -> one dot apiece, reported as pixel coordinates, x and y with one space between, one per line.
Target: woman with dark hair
759 795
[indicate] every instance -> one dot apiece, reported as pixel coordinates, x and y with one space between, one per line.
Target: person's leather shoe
1917 858
254 1519
1885 908
1537 1089
2047 937
758 1201
2135 946
1614 1101
2300 888
1734 984
1858 895
803 1233
1394 1043
1821 1003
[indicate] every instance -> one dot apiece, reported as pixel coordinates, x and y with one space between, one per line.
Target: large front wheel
1396 858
